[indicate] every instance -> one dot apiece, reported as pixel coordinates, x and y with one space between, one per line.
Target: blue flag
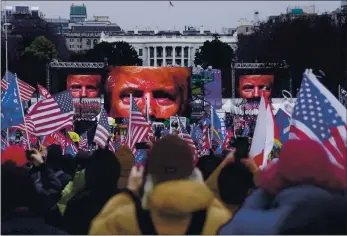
71 150
217 125
140 156
11 106
283 123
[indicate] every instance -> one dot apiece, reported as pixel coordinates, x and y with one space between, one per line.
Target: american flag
83 144
228 136
53 114
103 130
25 90
139 127
186 137
111 145
205 137
29 123
319 116
24 143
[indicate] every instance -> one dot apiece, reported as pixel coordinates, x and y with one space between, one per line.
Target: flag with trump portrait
318 115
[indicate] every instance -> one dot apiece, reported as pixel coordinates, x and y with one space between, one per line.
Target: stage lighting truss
259 65
81 65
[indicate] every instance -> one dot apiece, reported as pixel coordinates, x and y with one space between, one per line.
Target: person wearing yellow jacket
70 190
175 200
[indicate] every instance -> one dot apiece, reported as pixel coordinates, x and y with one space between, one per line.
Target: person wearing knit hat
175 199
15 154
170 159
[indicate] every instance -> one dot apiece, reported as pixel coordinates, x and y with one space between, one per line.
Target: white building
162 48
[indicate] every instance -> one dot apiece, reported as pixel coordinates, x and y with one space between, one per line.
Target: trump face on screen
165 87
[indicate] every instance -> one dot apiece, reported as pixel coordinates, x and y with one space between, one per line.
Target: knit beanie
302 162
170 159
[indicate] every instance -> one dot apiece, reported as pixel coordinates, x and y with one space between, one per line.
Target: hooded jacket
170 204
302 193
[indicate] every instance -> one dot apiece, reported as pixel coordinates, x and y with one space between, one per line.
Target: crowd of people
106 193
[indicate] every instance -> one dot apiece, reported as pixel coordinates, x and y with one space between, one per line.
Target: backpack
147 227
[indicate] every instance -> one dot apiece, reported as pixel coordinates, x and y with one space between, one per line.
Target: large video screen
167 88
253 86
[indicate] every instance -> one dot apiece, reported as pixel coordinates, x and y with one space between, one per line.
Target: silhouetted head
54 155
235 182
207 164
17 190
103 171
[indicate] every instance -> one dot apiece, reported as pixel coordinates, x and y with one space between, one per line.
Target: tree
317 42
219 55
117 53
23 31
34 58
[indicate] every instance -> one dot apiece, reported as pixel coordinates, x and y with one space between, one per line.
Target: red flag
43 91
55 138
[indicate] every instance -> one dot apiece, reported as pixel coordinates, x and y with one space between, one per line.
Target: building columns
188 56
164 56
173 55
148 56
182 56
155 55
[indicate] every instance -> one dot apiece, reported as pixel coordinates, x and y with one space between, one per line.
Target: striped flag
186 137
319 116
24 143
53 114
83 144
103 130
26 91
228 137
29 123
205 137
138 127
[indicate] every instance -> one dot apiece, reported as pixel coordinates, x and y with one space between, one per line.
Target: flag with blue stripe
283 123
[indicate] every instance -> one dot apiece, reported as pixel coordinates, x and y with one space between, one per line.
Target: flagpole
211 127
147 107
339 92
6 58
179 123
129 126
21 106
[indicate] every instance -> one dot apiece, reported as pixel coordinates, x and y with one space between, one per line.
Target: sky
212 15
